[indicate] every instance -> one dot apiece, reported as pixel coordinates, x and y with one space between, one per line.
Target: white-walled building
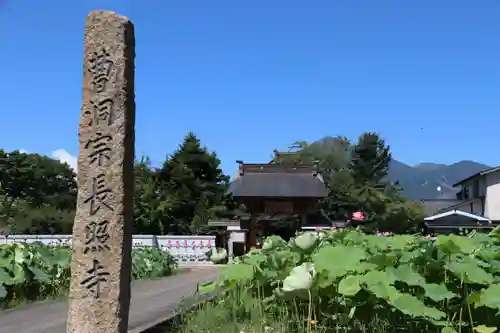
477 204
480 194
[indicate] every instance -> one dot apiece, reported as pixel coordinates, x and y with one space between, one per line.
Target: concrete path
153 301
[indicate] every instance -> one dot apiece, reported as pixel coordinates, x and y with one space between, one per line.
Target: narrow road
153 301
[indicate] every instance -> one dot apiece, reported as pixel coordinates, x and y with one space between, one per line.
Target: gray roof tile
288 185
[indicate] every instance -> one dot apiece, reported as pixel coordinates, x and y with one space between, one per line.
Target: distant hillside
421 181
429 166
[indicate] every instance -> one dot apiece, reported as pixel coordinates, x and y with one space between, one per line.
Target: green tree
355 176
37 194
44 219
151 202
38 179
370 159
332 157
194 175
385 208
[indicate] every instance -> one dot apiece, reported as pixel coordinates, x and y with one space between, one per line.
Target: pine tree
370 159
194 175
151 203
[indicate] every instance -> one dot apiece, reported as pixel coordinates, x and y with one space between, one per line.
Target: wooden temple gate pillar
252 232
303 219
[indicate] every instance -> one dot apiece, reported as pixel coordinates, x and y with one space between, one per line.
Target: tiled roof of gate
274 180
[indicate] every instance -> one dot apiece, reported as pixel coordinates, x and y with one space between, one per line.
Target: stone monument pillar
99 298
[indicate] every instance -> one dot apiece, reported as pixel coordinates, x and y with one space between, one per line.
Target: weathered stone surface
102 234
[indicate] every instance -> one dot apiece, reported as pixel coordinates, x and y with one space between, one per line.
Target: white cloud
24 151
65 157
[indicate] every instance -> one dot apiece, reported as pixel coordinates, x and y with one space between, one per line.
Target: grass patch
238 311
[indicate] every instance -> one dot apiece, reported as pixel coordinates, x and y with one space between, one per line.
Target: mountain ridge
432 180
420 181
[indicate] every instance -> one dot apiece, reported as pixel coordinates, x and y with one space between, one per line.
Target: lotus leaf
349 285
237 273
489 297
438 292
448 330
485 329
272 242
407 279
407 275
46 268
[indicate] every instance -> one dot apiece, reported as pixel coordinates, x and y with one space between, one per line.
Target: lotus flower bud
300 278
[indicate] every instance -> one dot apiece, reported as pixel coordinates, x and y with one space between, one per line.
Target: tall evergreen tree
194 175
151 202
370 159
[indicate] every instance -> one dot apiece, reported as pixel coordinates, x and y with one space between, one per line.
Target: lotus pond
30 272
348 281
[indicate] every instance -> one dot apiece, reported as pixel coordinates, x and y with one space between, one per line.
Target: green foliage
36 271
37 194
355 175
46 219
443 285
200 186
183 195
151 201
151 262
217 255
370 160
38 180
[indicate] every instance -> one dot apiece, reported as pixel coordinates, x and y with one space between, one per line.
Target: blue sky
251 76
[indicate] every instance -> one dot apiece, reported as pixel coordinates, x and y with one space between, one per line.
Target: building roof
433 206
463 226
478 174
277 181
458 213
278 186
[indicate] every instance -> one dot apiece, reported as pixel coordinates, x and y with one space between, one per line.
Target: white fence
187 250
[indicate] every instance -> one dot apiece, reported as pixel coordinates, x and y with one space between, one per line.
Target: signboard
237 237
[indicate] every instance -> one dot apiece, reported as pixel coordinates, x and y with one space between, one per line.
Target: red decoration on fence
201 244
169 244
209 245
177 244
185 243
193 244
